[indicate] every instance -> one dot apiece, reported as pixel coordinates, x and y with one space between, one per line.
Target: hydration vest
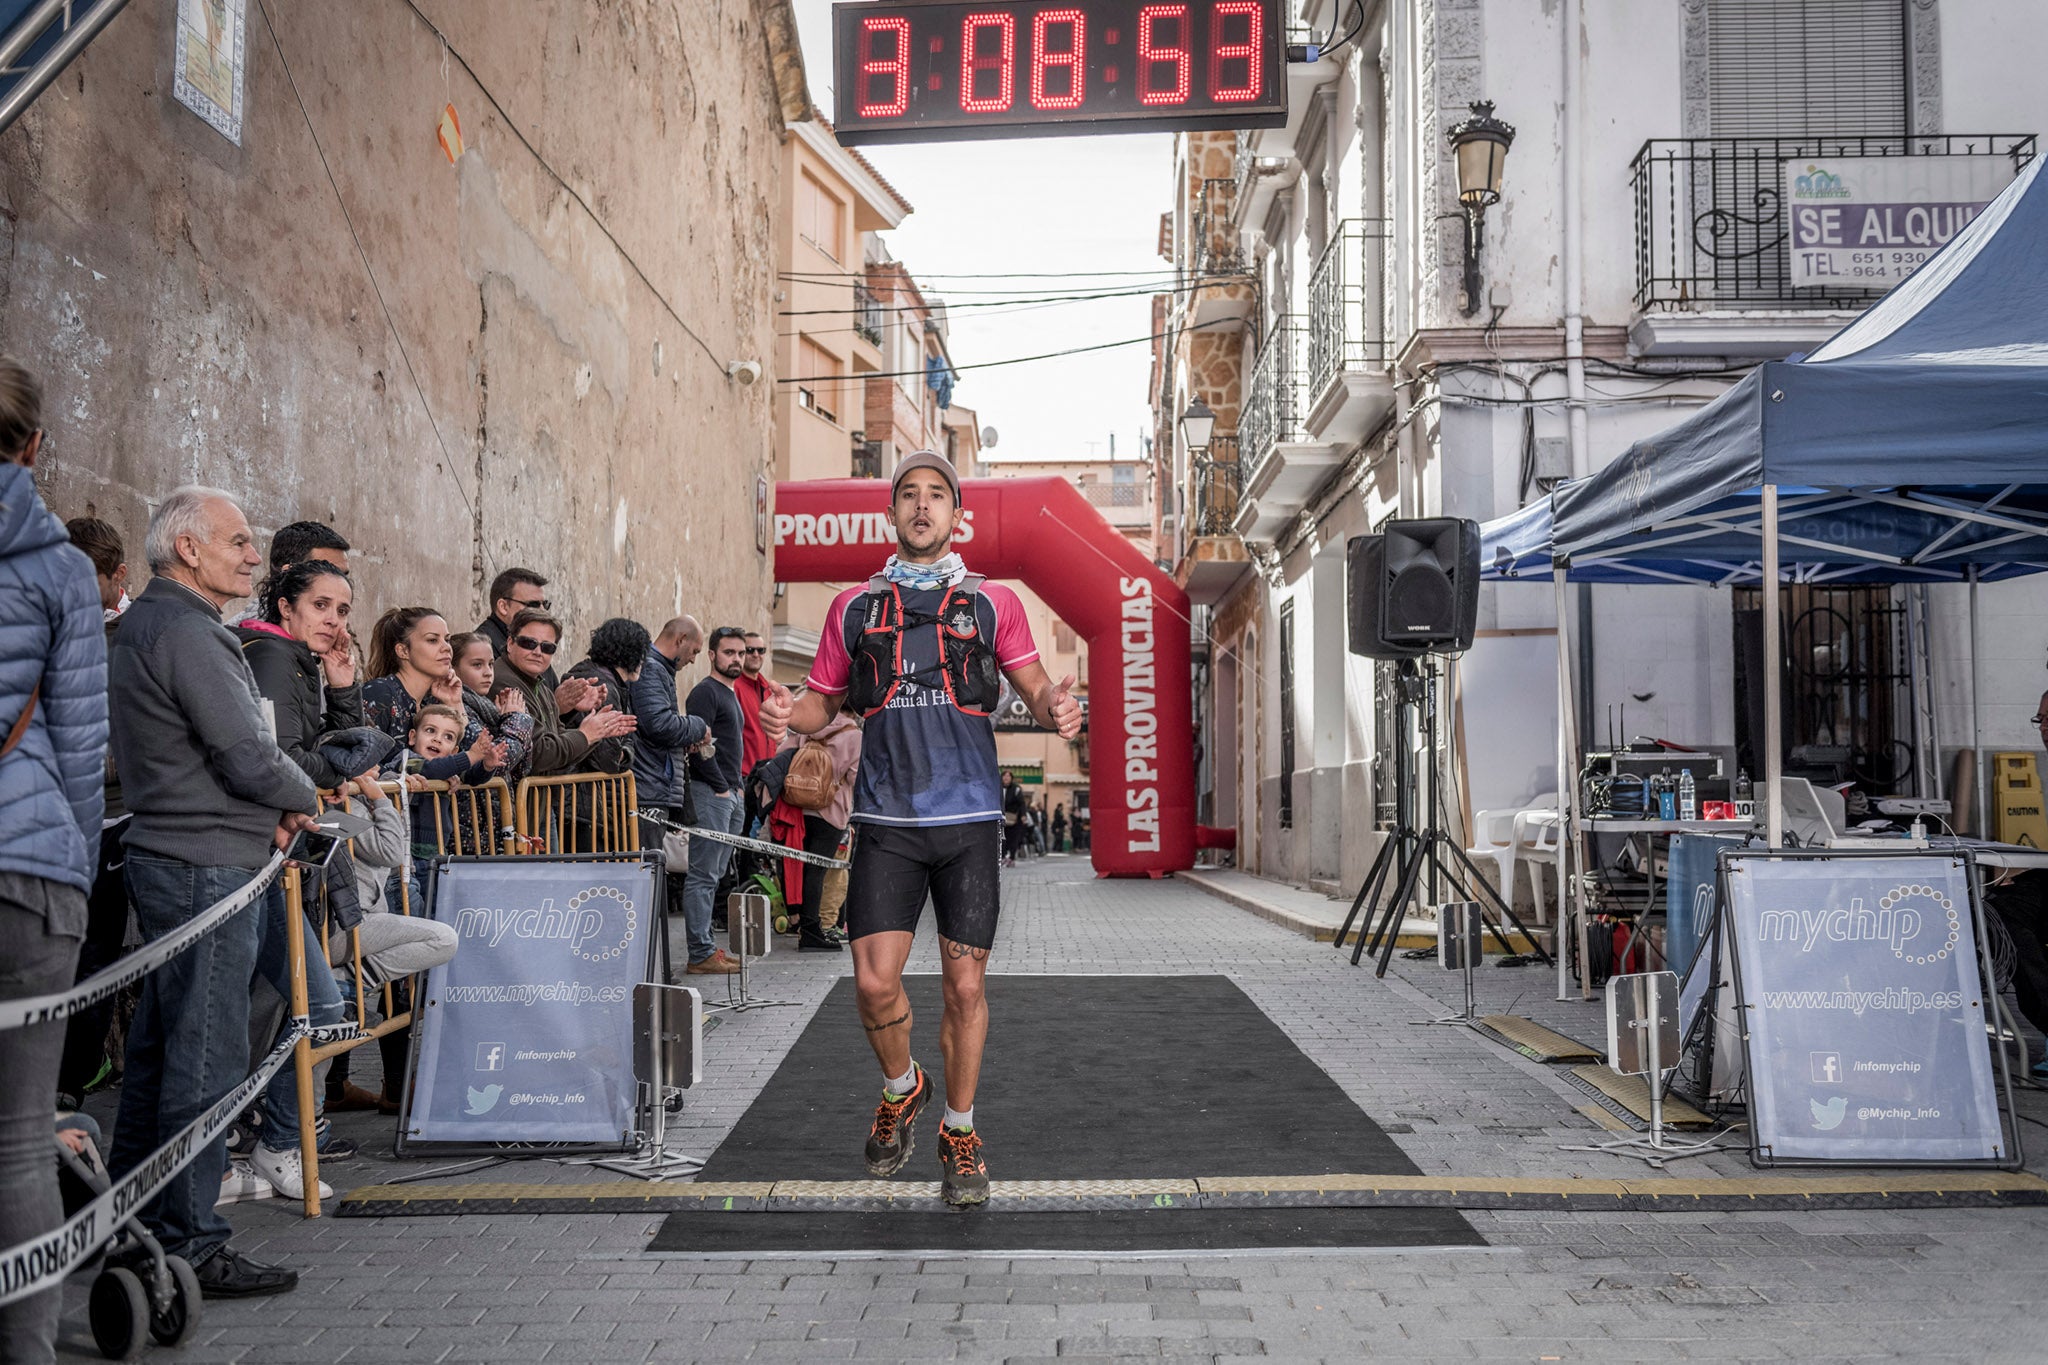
967 670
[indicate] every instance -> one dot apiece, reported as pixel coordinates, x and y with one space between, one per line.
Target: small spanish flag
449 134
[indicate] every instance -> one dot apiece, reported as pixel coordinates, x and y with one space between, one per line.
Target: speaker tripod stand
1414 848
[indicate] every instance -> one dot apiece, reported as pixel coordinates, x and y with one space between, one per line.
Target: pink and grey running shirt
923 761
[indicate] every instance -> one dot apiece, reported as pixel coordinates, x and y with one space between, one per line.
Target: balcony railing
1712 225
1216 488
1345 330
867 317
1274 401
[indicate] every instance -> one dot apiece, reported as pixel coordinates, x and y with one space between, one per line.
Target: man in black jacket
513 591
210 795
715 791
661 779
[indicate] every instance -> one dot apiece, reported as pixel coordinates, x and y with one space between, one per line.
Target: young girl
410 666
503 716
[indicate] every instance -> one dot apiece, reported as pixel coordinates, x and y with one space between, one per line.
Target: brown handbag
21 721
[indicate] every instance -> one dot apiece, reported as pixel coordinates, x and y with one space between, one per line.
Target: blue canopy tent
1910 447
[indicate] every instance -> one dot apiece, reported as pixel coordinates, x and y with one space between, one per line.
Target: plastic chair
1497 833
1537 830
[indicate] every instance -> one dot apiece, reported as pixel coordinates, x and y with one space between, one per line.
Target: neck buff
942 574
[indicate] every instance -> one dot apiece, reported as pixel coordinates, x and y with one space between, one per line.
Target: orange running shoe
890 1140
966 1175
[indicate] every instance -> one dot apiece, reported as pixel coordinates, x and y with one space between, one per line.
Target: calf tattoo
902 1018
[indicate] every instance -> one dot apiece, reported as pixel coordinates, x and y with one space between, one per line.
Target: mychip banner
1863 1009
1868 222
527 1034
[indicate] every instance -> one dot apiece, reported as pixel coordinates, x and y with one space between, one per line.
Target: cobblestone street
1811 1286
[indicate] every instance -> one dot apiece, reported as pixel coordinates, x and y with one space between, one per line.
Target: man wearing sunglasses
513 591
751 687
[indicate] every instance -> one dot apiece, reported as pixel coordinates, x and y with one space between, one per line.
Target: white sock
900 1086
960 1121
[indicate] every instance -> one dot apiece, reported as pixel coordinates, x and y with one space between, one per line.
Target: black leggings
897 867
821 837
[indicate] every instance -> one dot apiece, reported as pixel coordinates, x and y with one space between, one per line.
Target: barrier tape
741 841
42 1262
43 1009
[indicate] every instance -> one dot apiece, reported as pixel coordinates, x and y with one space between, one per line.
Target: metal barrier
578 813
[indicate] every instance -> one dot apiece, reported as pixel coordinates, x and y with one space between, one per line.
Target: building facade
467 282
1634 265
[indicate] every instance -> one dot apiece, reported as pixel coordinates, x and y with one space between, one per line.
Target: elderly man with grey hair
209 795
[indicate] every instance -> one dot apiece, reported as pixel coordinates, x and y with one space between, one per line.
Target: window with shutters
1806 68
820 215
818 381
1063 638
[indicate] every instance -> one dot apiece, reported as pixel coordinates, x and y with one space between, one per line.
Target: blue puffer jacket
51 632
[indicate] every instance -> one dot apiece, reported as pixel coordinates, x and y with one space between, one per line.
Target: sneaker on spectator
240 1183
285 1171
718 964
242 1136
331 1145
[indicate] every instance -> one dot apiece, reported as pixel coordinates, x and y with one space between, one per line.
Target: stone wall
517 357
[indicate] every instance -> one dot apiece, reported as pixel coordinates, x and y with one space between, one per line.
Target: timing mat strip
1536 1042
1872 1190
1630 1097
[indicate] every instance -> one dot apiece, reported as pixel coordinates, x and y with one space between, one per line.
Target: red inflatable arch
1141 761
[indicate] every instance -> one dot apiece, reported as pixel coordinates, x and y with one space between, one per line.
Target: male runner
916 650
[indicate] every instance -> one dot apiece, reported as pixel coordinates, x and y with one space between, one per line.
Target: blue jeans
188 1044
42 922
323 1006
708 860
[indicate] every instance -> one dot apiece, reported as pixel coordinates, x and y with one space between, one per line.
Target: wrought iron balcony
867 318
1345 331
1712 227
1216 487
1274 400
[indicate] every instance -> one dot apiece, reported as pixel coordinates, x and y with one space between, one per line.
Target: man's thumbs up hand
1065 710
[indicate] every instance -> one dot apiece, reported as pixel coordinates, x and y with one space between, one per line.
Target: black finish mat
1084 1078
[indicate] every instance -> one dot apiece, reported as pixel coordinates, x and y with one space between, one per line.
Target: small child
502 716
437 756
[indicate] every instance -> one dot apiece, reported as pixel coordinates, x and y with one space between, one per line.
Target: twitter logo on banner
485 1100
1825 1116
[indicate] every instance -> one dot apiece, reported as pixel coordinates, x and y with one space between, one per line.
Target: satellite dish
988 438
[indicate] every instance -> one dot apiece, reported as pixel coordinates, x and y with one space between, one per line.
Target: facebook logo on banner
1827 1068
490 1056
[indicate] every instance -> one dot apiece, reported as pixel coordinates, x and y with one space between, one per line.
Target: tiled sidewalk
1815 1286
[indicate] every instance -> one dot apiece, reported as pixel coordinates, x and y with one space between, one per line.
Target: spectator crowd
160 747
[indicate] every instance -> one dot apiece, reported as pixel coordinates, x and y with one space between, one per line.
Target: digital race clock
934 70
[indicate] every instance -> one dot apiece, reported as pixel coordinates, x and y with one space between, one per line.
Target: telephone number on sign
1885 260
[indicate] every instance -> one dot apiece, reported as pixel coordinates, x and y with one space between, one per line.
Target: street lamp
1481 145
1197 425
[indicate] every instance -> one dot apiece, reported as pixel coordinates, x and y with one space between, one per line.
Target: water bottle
1745 804
1688 796
1667 799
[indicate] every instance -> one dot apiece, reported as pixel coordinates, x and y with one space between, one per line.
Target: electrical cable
567 188
447 459
1010 299
832 275
1340 44
996 364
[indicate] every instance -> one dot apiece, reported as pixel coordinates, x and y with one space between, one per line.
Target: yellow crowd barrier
574 813
578 813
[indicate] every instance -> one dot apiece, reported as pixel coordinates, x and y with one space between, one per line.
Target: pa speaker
1429 584
1365 567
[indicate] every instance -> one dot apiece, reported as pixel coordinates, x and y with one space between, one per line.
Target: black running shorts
895 867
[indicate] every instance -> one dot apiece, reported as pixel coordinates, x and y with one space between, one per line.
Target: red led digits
1072 59
1247 51
1152 54
896 68
973 62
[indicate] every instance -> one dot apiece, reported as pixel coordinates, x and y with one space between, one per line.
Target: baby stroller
138 1292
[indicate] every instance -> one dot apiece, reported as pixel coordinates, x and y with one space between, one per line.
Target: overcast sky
1058 205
